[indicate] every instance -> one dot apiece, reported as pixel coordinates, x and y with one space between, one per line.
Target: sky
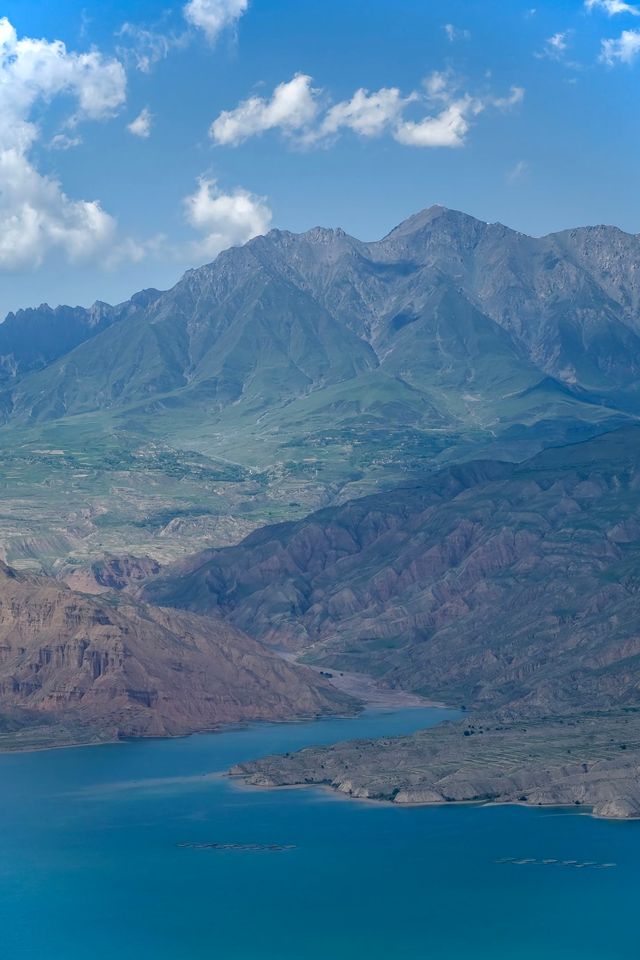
140 138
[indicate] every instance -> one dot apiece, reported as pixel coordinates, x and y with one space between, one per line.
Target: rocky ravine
106 667
591 761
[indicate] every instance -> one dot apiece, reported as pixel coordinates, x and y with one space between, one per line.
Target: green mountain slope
298 371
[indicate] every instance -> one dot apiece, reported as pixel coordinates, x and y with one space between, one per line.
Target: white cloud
446 129
623 49
455 33
292 108
36 215
225 219
213 16
141 126
612 7
295 109
450 119
368 114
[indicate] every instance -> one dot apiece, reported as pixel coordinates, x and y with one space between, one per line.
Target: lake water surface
90 865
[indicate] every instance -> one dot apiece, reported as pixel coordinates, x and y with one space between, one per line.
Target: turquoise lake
90 865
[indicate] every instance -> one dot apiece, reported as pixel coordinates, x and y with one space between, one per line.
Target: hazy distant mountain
33 338
490 584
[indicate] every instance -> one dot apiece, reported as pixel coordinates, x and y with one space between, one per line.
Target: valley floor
366 689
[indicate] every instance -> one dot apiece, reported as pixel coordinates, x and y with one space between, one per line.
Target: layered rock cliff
130 669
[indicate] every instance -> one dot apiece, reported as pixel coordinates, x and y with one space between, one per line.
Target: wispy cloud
556 46
456 33
62 141
144 47
518 171
513 99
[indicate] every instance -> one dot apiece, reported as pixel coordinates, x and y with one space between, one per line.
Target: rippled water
91 867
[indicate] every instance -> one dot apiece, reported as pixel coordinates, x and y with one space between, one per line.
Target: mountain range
416 458
303 370
418 313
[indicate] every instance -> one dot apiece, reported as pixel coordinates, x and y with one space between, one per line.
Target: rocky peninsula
588 760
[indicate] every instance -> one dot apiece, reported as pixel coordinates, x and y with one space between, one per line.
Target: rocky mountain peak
436 218
323 234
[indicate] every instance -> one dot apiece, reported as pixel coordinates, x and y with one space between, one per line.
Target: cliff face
130 669
119 573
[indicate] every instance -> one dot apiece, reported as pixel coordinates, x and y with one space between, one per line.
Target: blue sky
527 115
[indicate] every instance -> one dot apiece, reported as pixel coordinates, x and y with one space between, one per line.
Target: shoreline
408 701
364 689
241 781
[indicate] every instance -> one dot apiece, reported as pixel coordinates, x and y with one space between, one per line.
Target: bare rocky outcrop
121 572
124 668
